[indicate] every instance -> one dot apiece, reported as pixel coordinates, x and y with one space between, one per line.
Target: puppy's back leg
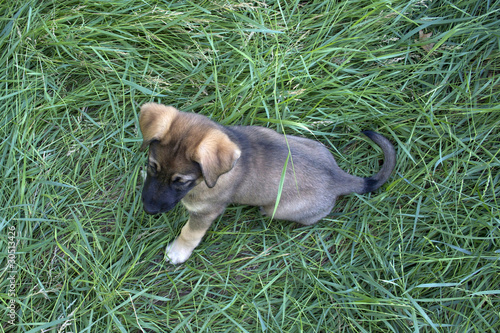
304 212
191 234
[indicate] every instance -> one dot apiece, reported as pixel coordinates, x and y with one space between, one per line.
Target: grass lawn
421 254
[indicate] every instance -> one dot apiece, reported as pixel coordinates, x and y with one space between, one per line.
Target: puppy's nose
151 210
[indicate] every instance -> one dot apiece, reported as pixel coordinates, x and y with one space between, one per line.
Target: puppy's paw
177 252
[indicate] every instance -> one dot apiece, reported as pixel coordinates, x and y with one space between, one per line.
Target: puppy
207 166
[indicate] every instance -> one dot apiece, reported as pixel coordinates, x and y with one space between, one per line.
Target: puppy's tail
374 182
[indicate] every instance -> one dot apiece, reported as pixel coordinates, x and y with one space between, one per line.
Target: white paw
178 252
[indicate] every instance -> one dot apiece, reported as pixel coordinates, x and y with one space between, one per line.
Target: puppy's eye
152 167
182 180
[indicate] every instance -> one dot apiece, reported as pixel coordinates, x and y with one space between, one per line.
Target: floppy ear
216 155
154 121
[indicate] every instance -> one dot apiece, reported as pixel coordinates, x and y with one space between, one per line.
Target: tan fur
207 166
216 155
155 120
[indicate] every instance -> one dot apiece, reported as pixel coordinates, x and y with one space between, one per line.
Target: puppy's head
184 150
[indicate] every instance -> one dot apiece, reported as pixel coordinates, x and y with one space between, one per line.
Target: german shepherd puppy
207 166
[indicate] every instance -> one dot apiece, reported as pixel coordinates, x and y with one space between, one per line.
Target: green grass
419 255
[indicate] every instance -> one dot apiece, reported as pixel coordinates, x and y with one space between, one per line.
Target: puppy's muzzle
157 199
153 207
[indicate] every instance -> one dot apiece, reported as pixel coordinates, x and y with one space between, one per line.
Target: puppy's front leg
191 234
